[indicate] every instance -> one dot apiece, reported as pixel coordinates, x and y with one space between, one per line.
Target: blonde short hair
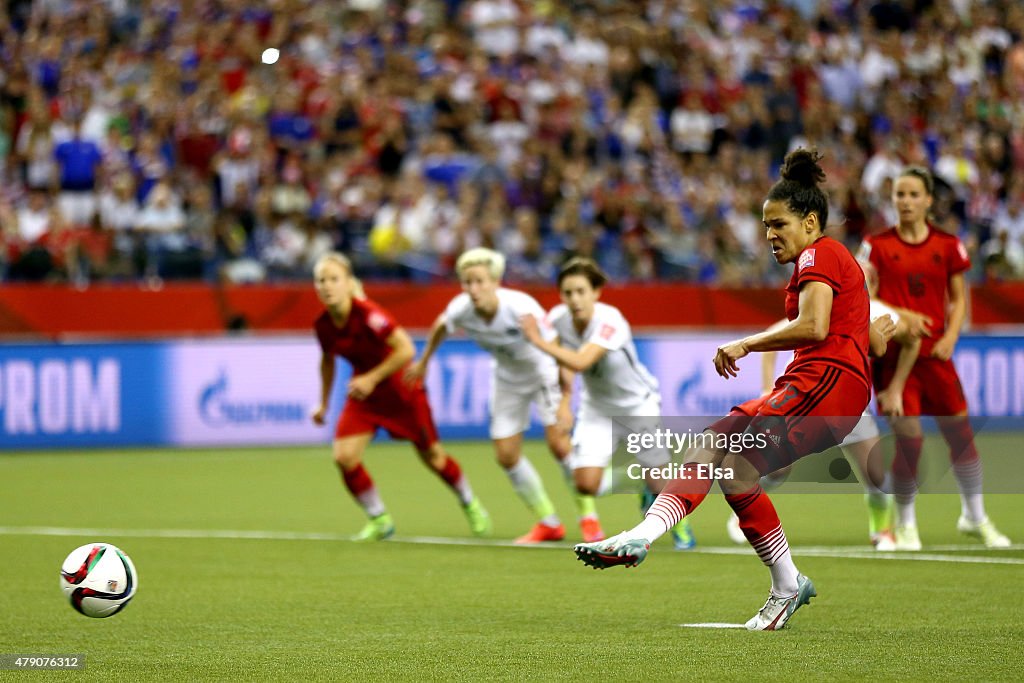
482 256
340 259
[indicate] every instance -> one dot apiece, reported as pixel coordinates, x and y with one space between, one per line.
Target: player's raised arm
438 333
810 326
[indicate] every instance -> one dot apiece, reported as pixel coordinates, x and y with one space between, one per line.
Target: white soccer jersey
618 381
517 363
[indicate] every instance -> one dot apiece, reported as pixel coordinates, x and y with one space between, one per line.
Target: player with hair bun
816 402
521 376
378 397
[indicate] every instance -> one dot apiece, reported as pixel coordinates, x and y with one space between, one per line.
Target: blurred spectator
1003 256
403 133
170 253
34 149
78 163
119 215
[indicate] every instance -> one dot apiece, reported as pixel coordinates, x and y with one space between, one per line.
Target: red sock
760 523
904 467
964 456
452 475
361 486
960 437
357 480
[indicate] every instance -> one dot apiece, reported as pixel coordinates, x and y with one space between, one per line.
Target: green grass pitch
293 601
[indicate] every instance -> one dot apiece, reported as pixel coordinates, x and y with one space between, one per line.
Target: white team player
861 445
521 376
595 340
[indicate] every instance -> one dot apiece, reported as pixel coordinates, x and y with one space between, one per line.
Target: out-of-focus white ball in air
270 55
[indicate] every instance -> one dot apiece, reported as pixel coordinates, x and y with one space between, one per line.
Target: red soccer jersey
362 341
846 345
916 276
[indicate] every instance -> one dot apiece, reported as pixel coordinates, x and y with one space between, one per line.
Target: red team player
814 405
366 335
920 271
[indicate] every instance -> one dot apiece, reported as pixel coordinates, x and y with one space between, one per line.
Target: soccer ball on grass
98 579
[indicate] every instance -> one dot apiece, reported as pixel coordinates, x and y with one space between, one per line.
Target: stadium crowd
240 140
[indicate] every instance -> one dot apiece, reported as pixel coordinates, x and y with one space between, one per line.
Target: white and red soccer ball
99 579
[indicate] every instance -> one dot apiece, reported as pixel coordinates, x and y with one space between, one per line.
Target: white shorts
510 407
594 440
77 208
878 309
862 431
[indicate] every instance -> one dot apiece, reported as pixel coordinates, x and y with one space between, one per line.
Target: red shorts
933 387
808 411
409 419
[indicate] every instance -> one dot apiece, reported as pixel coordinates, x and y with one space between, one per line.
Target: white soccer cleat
907 538
612 552
777 611
985 530
884 542
732 527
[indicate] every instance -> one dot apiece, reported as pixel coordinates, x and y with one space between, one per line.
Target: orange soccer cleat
591 528
542 532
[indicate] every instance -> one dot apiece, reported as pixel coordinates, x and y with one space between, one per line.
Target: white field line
849 552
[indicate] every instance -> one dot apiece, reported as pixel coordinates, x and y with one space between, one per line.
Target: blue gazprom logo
693 398
218 409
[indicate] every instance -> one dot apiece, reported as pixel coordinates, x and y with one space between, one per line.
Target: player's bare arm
810 326
577 361
566 378
881 330
890 399
402 351
326 382
438 333
943 349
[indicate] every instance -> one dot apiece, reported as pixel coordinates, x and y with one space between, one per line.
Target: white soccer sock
371 502
606 482
773 549
528 485
905 513
664 513
968 480
784 576
651 529
904 492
